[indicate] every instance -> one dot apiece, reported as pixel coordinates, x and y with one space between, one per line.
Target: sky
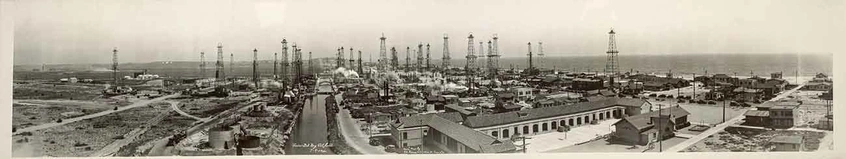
86 31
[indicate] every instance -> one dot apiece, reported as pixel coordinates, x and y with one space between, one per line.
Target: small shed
788 143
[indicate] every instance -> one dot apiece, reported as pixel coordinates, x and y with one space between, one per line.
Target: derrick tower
360 69
531 65
470 65
255 68
310 66
491 68
495 55
298 64
407 58
218 70
428 56
285 62
383 57
341 57
611 65
114 67
446 58
351 65
540 53
394 58
202 65
231 63
420 57
275 63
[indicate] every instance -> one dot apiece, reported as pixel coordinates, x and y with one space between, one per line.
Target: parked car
390 148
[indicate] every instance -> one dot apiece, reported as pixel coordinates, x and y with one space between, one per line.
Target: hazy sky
85 31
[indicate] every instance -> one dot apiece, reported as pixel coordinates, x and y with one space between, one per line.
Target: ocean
681 65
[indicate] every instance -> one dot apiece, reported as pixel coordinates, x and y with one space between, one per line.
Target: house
443 131
523 93
644 128
788 143
585 84
818 86
757 118
548 119
782 115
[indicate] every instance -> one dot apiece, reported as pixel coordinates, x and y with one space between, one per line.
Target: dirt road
71 120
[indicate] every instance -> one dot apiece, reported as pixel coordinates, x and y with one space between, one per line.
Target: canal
310 134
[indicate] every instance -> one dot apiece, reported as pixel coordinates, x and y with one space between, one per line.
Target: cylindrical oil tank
249 141
221 137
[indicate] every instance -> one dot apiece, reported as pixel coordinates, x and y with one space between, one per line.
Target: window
608 114
404 144
571 122
601 115
525 129
425 132
562 122
579 121
535 128
545 127
505 133
495 134
404 135
554 125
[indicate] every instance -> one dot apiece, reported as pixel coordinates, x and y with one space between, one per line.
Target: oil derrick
531 58
420 57
255 68
481 53
341 62
428 56
360 69
540 53
285 62
496 55
114 67
394 58
491 63
611 66
218 71
471 61
383 57
275 63
310 66
352 60
202 65
407 58
446 58
231 62
298 65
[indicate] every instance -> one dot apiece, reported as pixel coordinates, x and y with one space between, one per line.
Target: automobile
391 148
375 142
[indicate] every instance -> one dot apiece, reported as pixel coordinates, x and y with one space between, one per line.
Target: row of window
506 133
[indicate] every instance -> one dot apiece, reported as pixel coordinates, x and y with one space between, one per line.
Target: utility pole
694 86
660 130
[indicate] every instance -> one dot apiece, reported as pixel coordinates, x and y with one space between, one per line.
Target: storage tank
221 137
249 141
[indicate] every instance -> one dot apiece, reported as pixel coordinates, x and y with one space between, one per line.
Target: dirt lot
31 112
70 91
735 139
85 137
170 124
812 109
702 113
206 107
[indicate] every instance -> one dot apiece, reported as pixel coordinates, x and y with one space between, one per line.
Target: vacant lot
85 137
168 126
703 113
735 139
33 112
206 107
69 91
